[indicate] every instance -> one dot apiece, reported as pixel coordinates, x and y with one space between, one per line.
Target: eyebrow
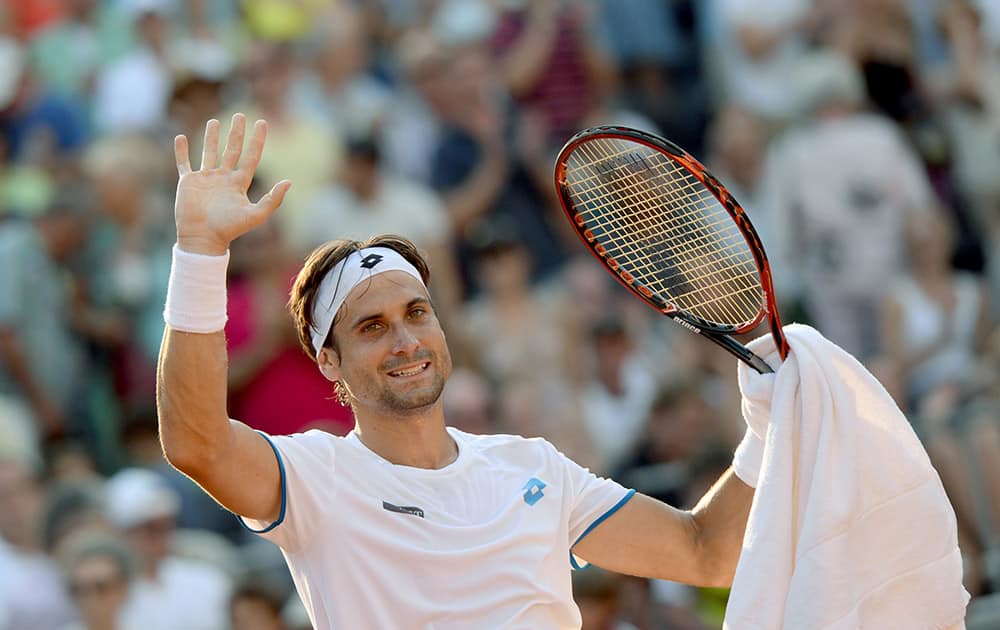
365 318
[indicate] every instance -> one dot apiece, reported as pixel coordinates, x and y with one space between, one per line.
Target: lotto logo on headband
371 260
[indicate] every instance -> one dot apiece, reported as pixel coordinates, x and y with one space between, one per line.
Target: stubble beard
414 401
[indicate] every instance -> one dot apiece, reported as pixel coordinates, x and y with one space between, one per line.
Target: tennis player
405 522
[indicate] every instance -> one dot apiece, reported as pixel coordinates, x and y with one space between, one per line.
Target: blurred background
862 136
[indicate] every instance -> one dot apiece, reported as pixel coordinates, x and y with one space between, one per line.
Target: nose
404 340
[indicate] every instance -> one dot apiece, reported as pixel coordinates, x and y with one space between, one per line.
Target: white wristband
748 458
196 294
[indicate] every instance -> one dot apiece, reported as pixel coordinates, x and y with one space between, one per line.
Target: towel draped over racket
850 526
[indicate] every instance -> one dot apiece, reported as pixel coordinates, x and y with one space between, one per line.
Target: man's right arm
230 461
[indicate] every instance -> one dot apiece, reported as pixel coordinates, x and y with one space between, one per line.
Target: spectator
477 173
679 431
535 346
169 592
68 53
971 115
41 359
336 87
31 588
468 402
36 126
296 143
133 91
99 571
840 189
617 399
256 606
756 47
274 387
937 319
736 140
552 62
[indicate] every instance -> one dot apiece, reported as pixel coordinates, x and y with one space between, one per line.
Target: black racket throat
730 345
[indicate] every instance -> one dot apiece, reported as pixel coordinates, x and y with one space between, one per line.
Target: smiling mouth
411 371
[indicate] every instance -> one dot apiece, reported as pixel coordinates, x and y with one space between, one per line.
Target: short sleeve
306 463
592 499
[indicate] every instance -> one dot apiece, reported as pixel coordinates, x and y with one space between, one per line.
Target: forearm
720 519
473 198
525 62
191 398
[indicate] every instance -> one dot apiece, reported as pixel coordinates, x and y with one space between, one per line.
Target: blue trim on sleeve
284 493
600 519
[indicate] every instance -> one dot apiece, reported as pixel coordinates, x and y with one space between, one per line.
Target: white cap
11 68
458 22
135 496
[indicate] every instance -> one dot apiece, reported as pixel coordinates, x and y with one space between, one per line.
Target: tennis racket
667 230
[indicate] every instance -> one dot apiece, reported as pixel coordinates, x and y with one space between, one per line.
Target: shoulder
315 444
508 447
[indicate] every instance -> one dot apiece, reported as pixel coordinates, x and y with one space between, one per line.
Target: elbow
179 455
716 568
187 453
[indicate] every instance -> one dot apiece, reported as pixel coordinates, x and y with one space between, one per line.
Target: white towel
850 526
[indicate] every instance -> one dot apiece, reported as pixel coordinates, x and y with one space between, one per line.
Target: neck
418 441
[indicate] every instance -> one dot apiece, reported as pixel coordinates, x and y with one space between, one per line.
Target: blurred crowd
862 136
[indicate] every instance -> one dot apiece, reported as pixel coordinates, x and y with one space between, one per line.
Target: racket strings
663 226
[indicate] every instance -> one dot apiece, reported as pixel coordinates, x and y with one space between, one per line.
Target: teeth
416 370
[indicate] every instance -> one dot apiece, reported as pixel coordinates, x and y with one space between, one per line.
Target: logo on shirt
371 260
533 490
404 509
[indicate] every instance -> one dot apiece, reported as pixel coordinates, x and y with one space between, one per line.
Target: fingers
270 202
254 151
234 146
181 155
210 154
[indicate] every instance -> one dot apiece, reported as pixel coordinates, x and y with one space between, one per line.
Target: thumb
267 204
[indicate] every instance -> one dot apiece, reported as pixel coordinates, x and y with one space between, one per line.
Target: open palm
212 208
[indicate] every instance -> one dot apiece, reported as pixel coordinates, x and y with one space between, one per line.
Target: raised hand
212 208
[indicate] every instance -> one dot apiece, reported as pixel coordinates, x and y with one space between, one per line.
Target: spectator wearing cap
99 570
169 592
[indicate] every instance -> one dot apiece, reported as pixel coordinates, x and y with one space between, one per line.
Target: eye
417 312
371 327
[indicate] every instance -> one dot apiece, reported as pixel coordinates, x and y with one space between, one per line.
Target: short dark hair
321 261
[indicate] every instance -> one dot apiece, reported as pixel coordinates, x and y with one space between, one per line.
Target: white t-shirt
400 206
186 594
481 543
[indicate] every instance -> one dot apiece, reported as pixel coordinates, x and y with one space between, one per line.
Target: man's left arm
649 538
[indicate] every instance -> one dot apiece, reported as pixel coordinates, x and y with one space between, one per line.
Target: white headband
356 268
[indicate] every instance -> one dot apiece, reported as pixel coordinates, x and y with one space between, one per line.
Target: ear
329 364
